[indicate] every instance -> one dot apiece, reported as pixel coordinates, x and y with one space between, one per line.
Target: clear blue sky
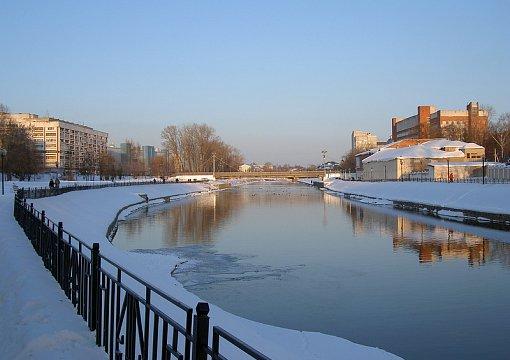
281 80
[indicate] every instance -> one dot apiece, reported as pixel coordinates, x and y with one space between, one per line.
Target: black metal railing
40 192
132 319
407 178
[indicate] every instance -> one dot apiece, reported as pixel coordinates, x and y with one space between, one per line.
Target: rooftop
424 148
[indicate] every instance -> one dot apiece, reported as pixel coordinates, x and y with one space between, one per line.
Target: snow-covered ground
490 198
36 318
87 215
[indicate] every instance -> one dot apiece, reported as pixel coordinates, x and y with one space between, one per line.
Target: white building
63 144
363 140
245 168
394 162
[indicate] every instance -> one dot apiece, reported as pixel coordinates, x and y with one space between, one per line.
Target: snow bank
476 197
36 318
87 215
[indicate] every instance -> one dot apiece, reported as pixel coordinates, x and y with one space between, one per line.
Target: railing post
201 331
94 285
60 235
39 235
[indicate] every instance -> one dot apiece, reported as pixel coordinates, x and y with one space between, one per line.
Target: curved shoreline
112 228
96 208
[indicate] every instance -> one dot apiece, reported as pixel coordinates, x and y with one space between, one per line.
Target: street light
3 153
323 152
448 167
483 169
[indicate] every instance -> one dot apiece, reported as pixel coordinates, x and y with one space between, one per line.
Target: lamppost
401 170
448 168
3 153
483 170
323 152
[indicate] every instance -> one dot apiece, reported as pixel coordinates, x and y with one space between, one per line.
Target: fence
473 180
131 318
35 193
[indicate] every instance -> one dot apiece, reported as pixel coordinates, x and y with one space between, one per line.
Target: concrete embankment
475 203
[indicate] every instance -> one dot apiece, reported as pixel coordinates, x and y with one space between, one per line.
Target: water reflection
197 221
430 242
396 280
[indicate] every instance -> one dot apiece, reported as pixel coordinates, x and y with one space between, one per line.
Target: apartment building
363 140
430 122
63 144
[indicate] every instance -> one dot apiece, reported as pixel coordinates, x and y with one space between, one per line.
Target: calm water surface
293 256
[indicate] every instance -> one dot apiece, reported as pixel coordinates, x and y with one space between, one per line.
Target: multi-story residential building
63 144
432 123
363 140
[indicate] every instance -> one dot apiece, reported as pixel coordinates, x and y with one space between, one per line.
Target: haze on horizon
281 81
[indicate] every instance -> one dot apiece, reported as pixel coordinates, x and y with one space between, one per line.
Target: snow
428 149
36 318
477 197
412 152
87 214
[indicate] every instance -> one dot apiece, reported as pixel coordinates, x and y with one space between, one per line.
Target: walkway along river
293 256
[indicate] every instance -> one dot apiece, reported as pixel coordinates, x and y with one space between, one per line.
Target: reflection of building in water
363 219
434 243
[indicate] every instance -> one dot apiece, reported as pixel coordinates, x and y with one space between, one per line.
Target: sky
280 80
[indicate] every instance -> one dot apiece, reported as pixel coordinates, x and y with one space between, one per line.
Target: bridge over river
258 174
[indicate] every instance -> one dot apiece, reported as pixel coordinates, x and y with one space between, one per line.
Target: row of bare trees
194 147
497 140
22 159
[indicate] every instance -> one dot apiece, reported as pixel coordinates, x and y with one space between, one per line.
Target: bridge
258 174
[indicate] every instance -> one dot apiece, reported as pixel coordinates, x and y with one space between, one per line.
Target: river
293 256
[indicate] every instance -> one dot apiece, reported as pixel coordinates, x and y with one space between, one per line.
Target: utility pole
3 152
324 161
483 169
448 166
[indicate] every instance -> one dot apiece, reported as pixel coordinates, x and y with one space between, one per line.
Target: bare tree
106 166
455 132
500 132
23 159
192 148
131 160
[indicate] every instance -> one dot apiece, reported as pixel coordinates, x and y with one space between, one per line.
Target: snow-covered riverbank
37 320
489 198
87 215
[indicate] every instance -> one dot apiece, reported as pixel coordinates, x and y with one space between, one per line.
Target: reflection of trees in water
196 220
431 242
362 218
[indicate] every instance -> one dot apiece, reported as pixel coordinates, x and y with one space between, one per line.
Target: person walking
52 184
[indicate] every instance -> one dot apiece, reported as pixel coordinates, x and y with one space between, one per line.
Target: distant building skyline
280 85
